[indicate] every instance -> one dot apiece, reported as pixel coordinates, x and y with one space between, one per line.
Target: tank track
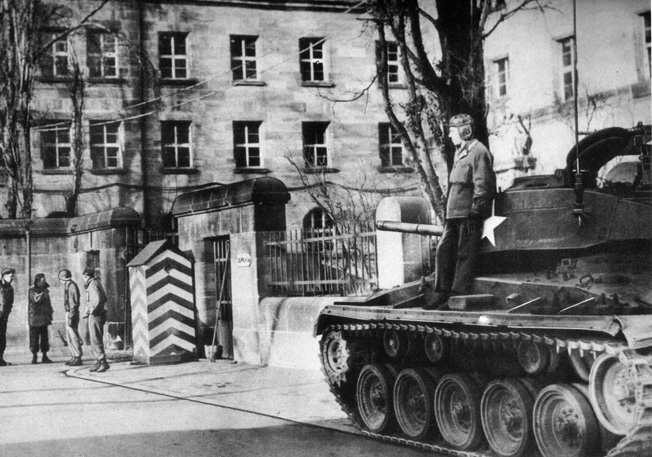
637 442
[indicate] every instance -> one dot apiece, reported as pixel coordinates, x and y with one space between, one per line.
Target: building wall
611 69
211 102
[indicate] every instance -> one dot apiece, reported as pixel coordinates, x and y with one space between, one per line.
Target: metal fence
331 261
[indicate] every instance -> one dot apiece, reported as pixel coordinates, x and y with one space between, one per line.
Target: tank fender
637 330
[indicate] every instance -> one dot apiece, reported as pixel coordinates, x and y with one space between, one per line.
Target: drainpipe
143 109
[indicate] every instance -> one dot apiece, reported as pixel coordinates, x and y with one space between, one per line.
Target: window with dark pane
246 144
175 143
393 74
172 55
567 61
55 145
106 149
315 149
391 146
501 67
54 62
243 57
311 59
102 51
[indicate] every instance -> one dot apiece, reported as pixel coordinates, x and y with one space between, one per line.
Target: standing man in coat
6 303
40 318
471 190
71 305
95 312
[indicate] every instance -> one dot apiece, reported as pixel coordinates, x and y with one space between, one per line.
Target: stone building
529 66
182 94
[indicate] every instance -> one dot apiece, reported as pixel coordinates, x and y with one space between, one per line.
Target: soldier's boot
45 359
34 358
68 362
76 362
97 366
103 366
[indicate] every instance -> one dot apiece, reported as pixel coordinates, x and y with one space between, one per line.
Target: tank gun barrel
405 227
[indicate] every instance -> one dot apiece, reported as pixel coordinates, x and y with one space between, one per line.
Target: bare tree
438 88
76 89
22 26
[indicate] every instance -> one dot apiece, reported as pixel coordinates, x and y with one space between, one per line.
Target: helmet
459 120
464 124
65 274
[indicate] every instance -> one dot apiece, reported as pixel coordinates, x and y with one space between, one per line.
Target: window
54 62
317 220
55 144
393 64
311 56
106 151
246 144
175 141
501 72
243 57
315 149
102 49
646 39
567 72
172 53
391 146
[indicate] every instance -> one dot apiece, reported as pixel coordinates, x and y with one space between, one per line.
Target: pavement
300 396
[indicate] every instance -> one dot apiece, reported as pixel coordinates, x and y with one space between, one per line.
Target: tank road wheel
396 344
457 408
564 423
334 354
435 347
374 398
612 393
413 402
506 411
534 358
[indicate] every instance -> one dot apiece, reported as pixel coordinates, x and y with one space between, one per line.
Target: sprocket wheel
334 352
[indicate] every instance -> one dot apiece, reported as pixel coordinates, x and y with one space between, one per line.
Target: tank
549 355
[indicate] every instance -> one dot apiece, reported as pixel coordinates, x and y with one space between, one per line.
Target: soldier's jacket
71 301
472 183
95 298
40 307
6 299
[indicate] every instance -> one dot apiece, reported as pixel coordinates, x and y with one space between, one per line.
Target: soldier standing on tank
71 305
471 190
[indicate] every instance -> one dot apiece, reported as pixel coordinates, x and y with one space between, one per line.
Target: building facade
183 94
530 79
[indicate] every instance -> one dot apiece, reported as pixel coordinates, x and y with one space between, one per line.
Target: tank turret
549 354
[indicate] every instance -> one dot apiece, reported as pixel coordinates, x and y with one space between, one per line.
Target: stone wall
55 244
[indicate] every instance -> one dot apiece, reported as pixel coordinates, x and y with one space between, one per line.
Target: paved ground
197 409
295 395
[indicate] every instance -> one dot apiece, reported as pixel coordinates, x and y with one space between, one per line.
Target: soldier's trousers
96 334
456 257
3 336
39 338
74 340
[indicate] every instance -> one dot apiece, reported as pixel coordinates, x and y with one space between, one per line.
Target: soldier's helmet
464 124
65 274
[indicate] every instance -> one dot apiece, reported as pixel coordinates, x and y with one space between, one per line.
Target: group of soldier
40 316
